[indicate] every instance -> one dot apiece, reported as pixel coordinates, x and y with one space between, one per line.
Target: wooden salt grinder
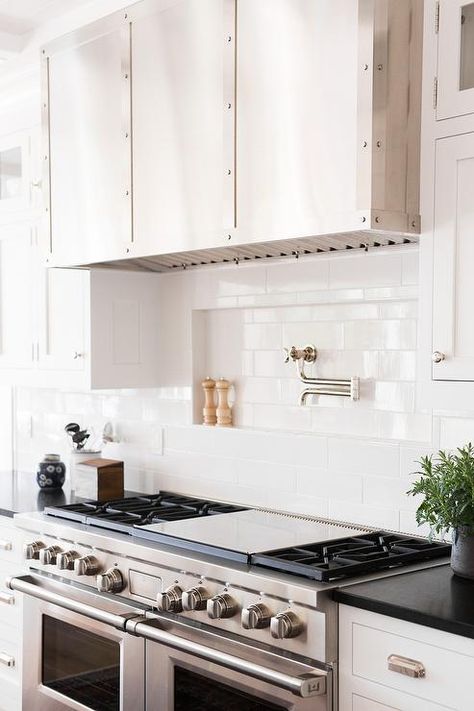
224 413
209 409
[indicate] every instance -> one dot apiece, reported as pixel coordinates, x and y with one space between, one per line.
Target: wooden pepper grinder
224 413
209 409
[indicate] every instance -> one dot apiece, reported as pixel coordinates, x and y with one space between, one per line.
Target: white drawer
10 696
390 701
447 672
10 658
11 542
362 703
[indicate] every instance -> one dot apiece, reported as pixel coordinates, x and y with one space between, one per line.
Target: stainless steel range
170 603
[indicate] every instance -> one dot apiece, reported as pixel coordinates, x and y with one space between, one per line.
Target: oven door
76 652
195 668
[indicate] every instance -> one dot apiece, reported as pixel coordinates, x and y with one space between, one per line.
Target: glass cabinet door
455 59
15 182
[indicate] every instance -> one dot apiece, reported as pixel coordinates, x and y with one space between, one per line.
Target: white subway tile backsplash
397 365
349 460
302 275
389 492
323 335
456 432
262 336
317 482
364 514
410 267
366 270
380 335
364 457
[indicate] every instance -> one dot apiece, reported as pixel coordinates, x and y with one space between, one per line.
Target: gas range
257 578
318 549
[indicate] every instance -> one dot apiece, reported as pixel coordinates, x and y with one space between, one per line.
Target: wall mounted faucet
319 386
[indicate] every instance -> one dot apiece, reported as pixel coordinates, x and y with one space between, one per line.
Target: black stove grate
123 514
353 556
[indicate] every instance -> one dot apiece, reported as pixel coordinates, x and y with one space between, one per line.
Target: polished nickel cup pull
406 666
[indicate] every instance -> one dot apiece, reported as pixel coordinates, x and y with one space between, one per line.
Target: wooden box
99 479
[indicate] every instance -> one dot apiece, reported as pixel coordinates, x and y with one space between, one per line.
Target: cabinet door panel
178 110
455 58
89 152
453 286
63 303
124 336
296 116
16 297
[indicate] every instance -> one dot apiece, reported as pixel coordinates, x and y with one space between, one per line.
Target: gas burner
123 514
348 557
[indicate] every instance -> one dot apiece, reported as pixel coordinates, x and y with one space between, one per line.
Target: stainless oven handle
26 584
305 685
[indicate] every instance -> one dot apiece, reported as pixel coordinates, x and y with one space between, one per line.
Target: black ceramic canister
51 472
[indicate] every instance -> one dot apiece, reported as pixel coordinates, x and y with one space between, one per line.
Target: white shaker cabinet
455 79
87 149
178 56
10 617
453 259
98 329
17 244
367 683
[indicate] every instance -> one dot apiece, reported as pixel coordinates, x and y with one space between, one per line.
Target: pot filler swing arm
319 386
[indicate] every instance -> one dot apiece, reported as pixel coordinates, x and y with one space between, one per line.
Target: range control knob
32 550
221 606
285 625
170 599
86 565
256 616
65 560
111 581
195 598
48 556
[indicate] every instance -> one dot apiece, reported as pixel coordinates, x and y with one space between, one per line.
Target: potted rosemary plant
447 484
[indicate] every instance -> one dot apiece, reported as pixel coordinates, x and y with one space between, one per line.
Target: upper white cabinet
98 329
87 148
178 92
453 253
455 58
178 126
16 301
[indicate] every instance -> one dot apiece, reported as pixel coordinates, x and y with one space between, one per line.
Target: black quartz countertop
433 597
19 493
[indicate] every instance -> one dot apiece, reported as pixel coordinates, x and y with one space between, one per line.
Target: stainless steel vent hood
266 250
231 130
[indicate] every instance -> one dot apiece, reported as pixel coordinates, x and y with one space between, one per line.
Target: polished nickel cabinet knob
285 625
255 617
170 599
195 598
48 556
111 581
65 560
438 357
32 550
86 565
221 606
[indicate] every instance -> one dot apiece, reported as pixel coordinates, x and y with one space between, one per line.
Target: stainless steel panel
260 673
178 117
252 531
90 174
296 117
41 698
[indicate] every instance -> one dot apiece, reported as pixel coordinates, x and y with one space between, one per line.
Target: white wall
351 461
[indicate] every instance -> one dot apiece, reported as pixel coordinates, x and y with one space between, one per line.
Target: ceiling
18 18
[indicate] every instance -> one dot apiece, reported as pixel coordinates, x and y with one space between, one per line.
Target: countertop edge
344 596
